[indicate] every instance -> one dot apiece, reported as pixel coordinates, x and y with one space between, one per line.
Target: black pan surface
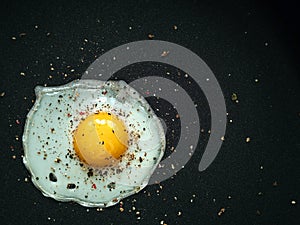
251 47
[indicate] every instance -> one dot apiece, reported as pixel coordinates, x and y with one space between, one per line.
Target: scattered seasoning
22 34
150 36
175 27
293 202
111 185
164 53
234 97
2 94
222 210
22 73
57 160
52 177
275 184
17 122
71 186
261 167
90 173
14 157
94 186
248 139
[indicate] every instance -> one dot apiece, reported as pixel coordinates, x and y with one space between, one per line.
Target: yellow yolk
100 139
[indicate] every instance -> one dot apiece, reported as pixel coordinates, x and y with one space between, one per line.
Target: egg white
48 142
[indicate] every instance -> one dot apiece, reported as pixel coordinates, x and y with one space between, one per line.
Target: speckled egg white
49 155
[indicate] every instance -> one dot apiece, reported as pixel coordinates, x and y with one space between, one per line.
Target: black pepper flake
109 114
60 96
113 131
111 185
71 186
90 173
52 177
140 159
57 160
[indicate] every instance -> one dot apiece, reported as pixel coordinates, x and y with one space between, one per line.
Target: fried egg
92 142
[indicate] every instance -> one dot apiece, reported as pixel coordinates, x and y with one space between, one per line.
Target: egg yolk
100 139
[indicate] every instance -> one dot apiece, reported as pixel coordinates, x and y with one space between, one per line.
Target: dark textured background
261 177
